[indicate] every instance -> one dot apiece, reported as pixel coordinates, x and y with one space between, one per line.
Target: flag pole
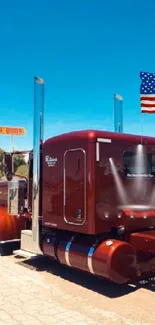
12 144
142 120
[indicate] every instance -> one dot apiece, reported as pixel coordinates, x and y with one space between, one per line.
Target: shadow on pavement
88 281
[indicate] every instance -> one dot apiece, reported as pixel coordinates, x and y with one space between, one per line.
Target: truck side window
142 165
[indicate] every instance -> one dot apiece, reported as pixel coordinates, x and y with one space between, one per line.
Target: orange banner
5 130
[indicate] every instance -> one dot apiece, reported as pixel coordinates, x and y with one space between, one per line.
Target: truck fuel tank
110 259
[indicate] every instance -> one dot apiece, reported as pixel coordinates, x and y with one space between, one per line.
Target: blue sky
86 50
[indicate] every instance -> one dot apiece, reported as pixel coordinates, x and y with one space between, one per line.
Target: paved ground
32 293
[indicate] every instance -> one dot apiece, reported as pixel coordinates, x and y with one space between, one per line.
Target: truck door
75 186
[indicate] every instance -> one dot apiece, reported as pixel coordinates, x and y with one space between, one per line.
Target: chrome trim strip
104 140
89 260
64 188
97 151
67 251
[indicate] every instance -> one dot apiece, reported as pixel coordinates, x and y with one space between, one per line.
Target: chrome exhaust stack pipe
38 124
30 239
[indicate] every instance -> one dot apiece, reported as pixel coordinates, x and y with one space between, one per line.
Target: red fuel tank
111 259
10 226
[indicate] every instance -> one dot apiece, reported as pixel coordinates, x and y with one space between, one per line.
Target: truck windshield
139 165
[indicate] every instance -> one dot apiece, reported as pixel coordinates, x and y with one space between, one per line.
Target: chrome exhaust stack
38 123
30 239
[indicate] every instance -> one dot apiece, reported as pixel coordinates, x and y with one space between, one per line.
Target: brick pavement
23 299
28 297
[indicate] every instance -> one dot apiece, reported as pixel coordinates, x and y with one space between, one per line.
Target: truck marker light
91 134
131 217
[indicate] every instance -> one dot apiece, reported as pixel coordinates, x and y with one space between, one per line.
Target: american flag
39 80
147 92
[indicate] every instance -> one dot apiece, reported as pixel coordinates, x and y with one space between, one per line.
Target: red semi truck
88 202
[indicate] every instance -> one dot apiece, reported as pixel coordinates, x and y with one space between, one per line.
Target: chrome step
25 254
